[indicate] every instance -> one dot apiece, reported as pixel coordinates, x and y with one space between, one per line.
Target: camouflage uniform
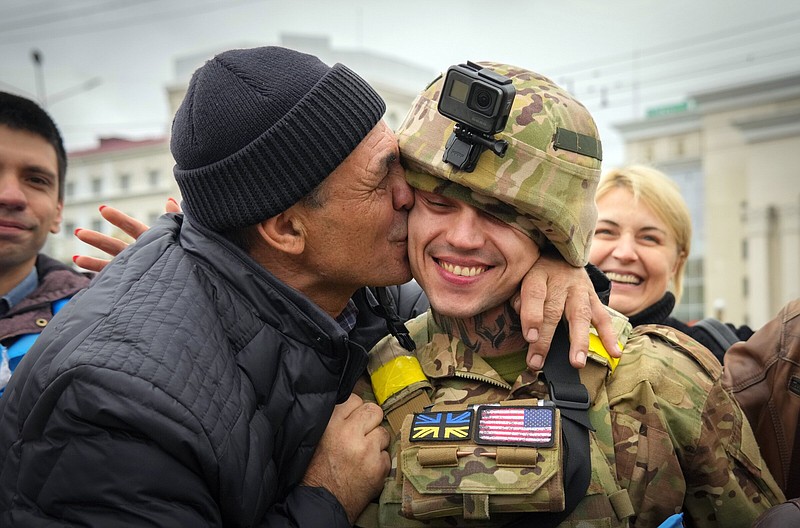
665 430
667 438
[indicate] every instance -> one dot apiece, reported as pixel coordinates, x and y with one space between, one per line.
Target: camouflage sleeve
727 481
363 389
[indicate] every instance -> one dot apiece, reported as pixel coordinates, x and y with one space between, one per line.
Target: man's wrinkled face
466 260
29 203
358 235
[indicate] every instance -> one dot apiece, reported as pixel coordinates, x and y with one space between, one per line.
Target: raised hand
108 244
552 288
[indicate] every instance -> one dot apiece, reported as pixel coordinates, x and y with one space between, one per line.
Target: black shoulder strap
572 399
386 308
719 331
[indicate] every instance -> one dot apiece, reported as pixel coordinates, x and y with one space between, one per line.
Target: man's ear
55 226
284 232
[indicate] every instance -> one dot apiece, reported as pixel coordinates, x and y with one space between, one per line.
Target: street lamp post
36 55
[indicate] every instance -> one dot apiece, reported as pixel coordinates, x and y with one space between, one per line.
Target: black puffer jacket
185 387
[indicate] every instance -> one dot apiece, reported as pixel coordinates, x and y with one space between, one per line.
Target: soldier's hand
110 245
552 288
351 460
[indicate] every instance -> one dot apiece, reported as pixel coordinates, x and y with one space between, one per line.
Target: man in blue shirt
33 164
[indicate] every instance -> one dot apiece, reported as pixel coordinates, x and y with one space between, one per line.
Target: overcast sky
105 63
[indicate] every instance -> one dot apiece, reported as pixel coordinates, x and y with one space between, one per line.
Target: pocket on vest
478 481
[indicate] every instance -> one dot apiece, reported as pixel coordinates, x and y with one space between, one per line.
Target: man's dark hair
19 113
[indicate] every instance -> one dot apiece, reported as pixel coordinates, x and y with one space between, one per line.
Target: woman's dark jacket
186 387
659 313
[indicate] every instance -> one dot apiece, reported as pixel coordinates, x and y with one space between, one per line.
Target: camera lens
483 99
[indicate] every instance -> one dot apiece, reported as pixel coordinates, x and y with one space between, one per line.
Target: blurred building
135 176
735 153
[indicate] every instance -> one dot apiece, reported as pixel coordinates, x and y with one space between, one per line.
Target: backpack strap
719 331
572 399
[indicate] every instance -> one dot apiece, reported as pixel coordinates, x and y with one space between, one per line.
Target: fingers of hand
342 411
126 223
367 417
540 346
534 359
578 310
172 206
602 323
532 296
578 347
90 263
105 243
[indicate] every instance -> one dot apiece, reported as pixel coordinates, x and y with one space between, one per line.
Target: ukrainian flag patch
444 426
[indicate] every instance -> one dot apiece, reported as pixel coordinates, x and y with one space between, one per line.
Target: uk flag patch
442 426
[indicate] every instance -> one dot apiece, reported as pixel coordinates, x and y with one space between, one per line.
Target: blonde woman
641 242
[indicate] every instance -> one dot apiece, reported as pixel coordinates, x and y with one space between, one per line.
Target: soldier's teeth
618 277
463 271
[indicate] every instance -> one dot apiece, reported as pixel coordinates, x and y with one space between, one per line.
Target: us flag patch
441 426
519 426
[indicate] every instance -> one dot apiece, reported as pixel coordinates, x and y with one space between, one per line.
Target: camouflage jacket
665 430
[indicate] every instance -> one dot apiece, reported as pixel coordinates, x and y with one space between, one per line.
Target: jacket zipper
480 377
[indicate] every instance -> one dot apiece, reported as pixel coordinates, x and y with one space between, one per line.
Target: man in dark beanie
192 382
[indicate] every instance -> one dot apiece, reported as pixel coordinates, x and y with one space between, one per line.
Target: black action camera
479 101
477 97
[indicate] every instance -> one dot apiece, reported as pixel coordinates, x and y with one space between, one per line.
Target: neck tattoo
491 333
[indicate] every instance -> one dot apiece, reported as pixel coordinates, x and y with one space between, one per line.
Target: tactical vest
483 465
648 458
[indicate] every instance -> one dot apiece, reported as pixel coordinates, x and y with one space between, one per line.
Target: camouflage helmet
545 184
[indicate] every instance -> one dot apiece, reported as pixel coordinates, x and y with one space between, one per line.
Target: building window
691 306
97 225
154 177
680 150
69 189
97 185
649 152
124 182
69 229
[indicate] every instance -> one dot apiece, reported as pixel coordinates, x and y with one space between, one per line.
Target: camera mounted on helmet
479 101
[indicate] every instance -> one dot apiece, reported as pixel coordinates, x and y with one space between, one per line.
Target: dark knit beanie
260 128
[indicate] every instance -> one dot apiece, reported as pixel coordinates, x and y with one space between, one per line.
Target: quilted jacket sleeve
101 435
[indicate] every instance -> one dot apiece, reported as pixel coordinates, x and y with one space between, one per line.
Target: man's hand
351 460
552 288
108 244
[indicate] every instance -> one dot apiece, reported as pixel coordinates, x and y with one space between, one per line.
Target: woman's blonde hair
658 192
